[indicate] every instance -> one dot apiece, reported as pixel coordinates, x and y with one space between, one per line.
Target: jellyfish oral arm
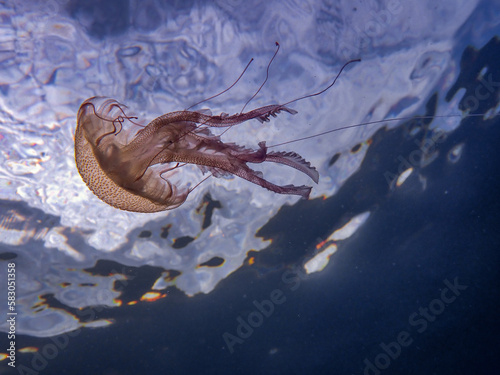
262 114
221 159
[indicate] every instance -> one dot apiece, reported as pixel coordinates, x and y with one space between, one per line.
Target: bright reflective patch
28 349
98 323
320 261
350 228
403 176
152 296
455 153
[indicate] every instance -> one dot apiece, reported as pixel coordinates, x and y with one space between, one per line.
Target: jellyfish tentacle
262 114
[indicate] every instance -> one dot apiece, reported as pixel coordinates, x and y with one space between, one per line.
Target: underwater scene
249 187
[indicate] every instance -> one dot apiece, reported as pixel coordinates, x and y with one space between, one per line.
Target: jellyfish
131 170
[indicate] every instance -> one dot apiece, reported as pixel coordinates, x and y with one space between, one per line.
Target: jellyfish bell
104 159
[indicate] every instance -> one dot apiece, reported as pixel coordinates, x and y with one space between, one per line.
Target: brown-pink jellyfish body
131 170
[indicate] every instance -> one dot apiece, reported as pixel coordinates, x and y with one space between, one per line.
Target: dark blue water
415 291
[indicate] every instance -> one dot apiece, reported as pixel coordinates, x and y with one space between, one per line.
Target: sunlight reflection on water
54 58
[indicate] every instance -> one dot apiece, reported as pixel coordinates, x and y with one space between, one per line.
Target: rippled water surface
71 250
